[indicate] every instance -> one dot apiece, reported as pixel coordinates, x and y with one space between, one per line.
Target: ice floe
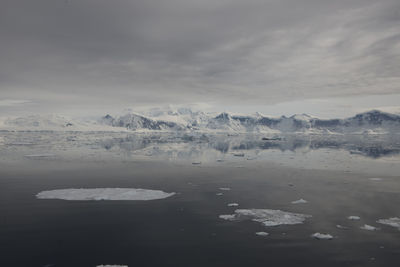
224 189
394 222
262 233
369 227
341 227
353 218
376 179
40 156
300 201
228 217
219 194
104 194
233 204
267 217
322 236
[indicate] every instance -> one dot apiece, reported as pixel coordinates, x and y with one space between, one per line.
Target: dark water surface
185 230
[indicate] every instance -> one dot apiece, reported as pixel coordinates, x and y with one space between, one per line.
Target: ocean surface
338 176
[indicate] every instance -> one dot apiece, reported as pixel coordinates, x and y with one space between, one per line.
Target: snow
104 194
353 218
262 233
369 227
320 236
394 222
300 201
233 204
267 217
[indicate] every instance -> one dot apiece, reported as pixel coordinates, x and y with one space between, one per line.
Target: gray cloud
224 52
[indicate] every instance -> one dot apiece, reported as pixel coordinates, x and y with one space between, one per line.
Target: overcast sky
315 56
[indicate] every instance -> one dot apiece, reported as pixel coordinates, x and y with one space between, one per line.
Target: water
332 174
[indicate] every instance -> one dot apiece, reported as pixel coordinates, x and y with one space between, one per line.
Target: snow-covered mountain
184 119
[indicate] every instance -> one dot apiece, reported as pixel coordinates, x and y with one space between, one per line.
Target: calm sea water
332 173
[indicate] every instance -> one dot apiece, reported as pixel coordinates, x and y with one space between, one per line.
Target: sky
322 57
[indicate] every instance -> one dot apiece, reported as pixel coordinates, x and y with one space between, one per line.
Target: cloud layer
225 52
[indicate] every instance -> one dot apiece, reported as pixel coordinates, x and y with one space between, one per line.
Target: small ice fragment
375 179
341 227
219 194
262 233
104 194
394 222
354 218
224 189
369 227
320 236
228 217
233 204
300 201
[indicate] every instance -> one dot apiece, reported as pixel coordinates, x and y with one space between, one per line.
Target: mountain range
185 119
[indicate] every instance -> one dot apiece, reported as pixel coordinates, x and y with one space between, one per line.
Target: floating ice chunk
262 233
267 217
341 227
228 217
376 179
300 201
320 236
104 194
224 188
233 204
112 265
354 218
369 227
219 194
394 222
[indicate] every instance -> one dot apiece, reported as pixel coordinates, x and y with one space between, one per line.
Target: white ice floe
224 189
341 227
233 204
112 265
262 233
369 227
300 201
219 194
394 222
267 217
104 194
228 217
322 236
353 218
376 179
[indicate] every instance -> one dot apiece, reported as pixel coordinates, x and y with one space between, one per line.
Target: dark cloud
123 52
